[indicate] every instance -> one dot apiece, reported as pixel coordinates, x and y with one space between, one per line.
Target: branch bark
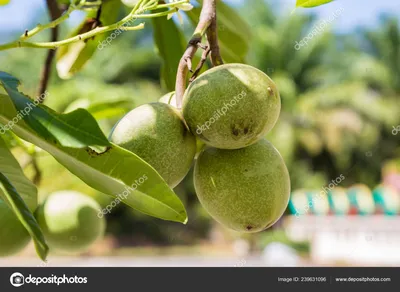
55 13
212 37
207 25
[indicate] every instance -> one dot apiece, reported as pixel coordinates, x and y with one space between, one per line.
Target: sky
17 16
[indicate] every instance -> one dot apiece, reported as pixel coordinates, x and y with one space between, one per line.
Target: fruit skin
157 134
169 98
69 221
247 189
13 235
231 106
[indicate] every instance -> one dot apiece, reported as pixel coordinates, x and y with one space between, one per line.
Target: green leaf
20 194
10 167
171 45
71 58
311 3
233 32
8 79
77 129
112 172
4 2
24 215
103 110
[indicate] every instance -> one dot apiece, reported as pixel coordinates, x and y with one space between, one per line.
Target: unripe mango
231 106
156 133
247 189
169 98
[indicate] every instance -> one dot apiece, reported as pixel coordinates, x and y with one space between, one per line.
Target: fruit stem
207 25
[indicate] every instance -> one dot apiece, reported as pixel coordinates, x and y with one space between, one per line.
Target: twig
142 4
55 13
98 15
54 23
207 24
38 174
203 59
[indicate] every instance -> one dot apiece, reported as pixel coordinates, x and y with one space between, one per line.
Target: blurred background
339 134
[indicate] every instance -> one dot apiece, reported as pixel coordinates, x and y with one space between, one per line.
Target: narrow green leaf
8 79
171 45
311 3
71 58
77 129
10 167
24 215
112 172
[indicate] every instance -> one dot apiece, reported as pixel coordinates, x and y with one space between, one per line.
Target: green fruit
13 235
231 106
69 221
157 133
246 189
169 98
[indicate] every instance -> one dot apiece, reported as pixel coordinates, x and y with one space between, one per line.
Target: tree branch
207 25
38 174
203 59
212 37
55 13
144 5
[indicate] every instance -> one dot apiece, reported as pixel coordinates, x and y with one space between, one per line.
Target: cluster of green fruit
68 220
239 177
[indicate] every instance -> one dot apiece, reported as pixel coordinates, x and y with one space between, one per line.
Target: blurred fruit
247 189
70 222
231 106
157 133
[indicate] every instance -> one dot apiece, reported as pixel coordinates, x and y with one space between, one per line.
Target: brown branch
207 24
212 37
55 13
38 174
